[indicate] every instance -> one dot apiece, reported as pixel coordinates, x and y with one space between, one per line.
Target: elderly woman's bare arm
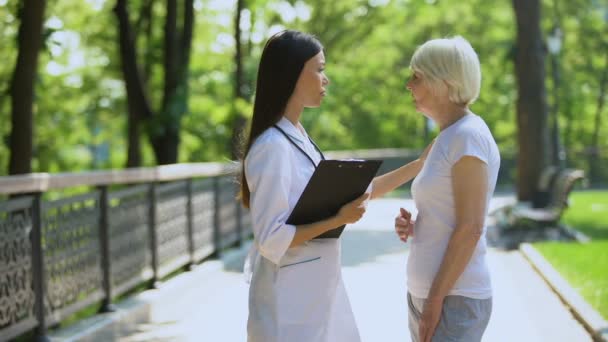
470 186
392 180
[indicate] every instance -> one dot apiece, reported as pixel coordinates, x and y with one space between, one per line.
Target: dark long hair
282 61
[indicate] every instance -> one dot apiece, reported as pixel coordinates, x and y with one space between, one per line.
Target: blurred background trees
144 82
21 88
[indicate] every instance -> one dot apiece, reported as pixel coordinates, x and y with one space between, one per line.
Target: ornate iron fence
18 253
59 256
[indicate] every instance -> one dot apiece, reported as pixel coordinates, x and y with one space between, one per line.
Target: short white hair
453 61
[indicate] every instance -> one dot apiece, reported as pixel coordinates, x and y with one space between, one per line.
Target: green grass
584 266
588 213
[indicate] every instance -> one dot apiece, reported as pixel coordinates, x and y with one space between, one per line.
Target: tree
594 154
29 41
137 102
532 130
239 121
163 125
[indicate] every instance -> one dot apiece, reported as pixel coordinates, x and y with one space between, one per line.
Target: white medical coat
296 294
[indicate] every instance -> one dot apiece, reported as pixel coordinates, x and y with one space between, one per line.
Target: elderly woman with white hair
449 288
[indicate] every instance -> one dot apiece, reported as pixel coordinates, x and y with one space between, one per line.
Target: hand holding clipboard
333 184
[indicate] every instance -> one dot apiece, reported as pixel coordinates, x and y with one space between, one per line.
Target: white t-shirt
436 220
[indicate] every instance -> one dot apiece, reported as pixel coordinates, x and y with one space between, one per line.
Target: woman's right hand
353 211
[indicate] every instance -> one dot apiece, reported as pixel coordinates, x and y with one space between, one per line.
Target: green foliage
368 102
81 110
587 213
8 51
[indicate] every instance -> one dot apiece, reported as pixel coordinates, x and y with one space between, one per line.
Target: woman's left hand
431 314
404 225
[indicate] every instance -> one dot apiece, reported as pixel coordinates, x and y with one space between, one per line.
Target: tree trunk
29 42
568 128
532 127
170 51
146 18
594 153
138 104
557 151
164 131
163 136
238 56
165 139
252 22
133 141
239 122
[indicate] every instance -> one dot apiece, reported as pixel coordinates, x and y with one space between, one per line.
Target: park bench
542 195
549 213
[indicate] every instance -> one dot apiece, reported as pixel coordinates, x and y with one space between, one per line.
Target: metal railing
59 256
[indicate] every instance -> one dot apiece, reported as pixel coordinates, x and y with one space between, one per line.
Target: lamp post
554 45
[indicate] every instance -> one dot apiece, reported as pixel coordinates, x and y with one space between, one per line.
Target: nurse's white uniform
296 294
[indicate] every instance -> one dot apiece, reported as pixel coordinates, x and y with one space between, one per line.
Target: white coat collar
292 130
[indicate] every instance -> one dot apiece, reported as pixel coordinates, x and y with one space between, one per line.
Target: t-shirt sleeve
268 172
468 143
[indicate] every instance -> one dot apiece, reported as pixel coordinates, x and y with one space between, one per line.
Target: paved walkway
214 308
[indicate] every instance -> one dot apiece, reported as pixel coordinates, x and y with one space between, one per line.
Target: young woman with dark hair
296 291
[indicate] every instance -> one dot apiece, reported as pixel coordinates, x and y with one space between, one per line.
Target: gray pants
463 319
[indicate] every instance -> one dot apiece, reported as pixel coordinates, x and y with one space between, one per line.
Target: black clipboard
333 184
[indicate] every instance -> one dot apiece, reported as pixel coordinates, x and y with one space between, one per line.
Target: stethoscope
299 148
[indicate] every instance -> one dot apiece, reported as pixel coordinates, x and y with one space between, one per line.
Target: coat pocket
300 262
